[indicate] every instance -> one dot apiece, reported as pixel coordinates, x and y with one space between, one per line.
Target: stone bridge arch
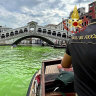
41 37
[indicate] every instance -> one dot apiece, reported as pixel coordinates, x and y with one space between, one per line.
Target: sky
17 13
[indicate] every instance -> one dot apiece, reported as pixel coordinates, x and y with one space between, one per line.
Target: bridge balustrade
44 30
64 35
7 34
39 30
25 30
16 32
21 31
49 32
12 34
54 33
2 36
59 34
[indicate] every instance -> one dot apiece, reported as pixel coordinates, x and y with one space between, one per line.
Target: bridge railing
60 36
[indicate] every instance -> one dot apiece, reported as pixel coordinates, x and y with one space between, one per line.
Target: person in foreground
81 53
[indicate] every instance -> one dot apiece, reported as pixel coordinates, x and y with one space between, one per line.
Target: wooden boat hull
31 89
49 68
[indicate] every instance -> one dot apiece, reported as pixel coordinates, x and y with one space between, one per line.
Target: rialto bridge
14 36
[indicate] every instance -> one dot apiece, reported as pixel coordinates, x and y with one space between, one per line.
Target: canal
17 65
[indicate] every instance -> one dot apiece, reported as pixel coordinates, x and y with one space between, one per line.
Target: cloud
13 19
16 13
46 15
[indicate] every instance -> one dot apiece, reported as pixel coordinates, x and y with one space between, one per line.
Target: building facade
81 11
51 26
85 19
92 10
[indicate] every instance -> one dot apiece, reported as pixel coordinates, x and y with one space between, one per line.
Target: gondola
44 82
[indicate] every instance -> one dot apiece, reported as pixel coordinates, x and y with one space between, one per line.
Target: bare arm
66 61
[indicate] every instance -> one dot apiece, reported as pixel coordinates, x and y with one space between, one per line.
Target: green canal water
17 66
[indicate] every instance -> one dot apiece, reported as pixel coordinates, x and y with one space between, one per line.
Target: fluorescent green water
17 65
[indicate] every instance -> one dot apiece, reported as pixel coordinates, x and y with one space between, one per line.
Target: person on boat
81 53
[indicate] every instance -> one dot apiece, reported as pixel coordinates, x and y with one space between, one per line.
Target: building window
86 16
76 29
91 5
90 17
87 22
79 11
90 11
82 24
95 8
